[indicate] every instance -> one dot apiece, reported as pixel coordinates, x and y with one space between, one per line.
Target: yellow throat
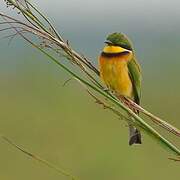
114 70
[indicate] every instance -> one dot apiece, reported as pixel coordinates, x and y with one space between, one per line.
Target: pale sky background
91 21
152 25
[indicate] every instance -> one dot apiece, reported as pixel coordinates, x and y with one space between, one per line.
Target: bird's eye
108 42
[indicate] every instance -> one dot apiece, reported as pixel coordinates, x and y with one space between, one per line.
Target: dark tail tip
136 138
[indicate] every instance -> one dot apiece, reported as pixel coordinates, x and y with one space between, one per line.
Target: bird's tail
134 135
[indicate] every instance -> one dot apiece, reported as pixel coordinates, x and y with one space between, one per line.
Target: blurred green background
63 124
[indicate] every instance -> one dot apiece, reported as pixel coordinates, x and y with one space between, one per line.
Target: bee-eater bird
120 72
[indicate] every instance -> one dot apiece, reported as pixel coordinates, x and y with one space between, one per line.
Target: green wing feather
135 75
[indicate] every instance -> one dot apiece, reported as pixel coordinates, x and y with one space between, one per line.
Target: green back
135 75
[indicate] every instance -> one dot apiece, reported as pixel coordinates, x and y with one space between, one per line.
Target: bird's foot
106 89
126 101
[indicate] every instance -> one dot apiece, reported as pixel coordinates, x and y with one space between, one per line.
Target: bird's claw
106 89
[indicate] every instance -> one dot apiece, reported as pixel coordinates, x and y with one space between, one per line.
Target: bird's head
117 43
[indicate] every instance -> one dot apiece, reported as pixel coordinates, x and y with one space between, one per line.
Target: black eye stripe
124 46
114 54
120 45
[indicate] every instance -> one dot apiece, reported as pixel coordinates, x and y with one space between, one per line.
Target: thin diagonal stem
156 119
37 158
56 33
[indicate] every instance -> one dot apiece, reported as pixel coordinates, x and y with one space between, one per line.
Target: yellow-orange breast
114 73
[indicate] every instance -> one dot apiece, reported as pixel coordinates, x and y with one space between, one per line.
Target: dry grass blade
156 119
174 159
12 36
